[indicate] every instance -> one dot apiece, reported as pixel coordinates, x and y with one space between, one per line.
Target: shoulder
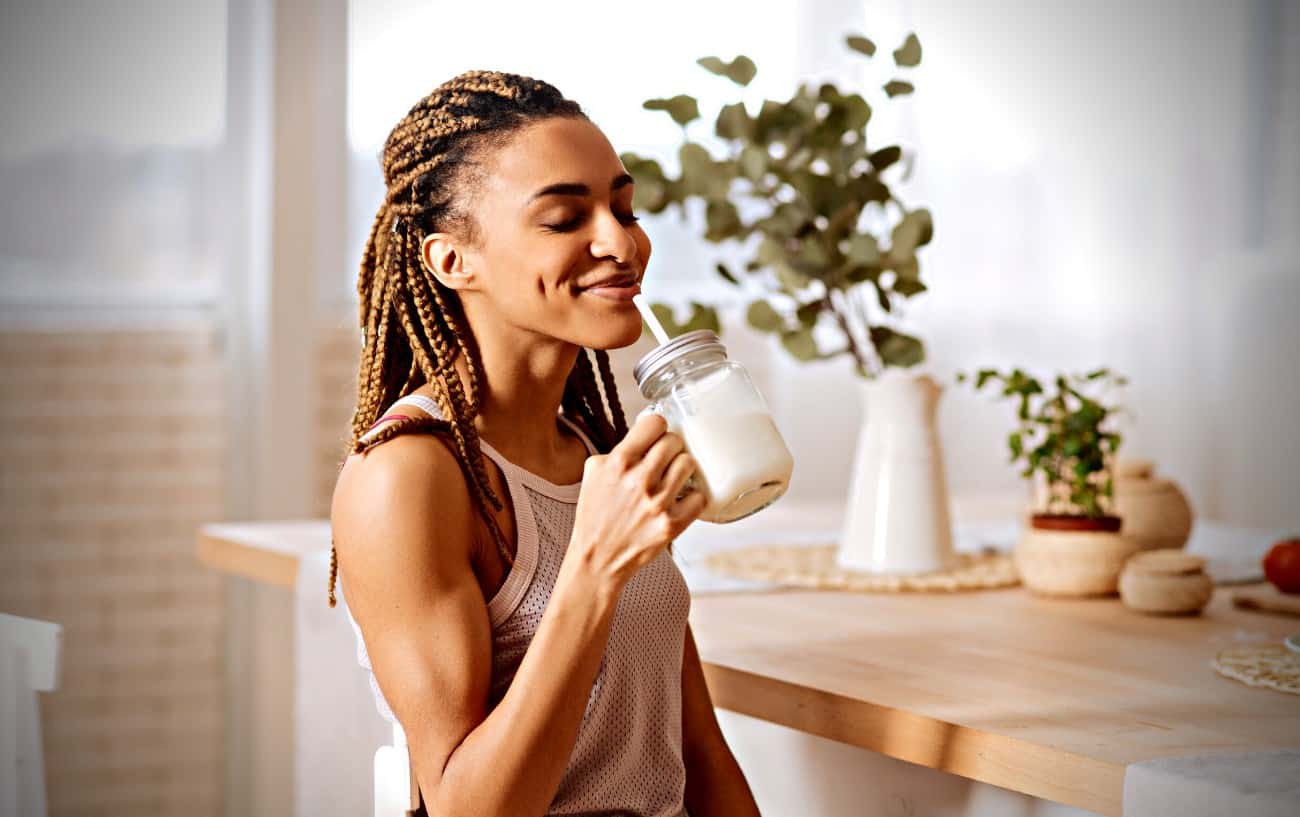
400 504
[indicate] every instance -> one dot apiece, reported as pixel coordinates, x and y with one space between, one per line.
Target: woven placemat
1261 665
814 566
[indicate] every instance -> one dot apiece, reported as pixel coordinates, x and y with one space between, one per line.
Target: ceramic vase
1156 512
897 518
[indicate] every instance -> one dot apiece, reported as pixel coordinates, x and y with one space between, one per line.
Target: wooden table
1051 698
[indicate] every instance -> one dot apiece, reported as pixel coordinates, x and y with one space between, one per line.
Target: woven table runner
815 567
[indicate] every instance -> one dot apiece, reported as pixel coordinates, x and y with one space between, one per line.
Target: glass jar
743 464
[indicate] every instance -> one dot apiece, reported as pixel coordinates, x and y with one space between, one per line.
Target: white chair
29 663
396 792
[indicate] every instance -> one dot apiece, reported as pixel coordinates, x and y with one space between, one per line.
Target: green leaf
763 317
702 317
652 190
753 162
882 297
885 157
848 113
861 45
905 268
808 313
701 175
907 287
666 318
733 122
870 188
681 108
742 70
896 348
908 55
723 220
790 279
858 274
713 65
813 252
864 250
898 87
914 230
1017 445
800 344
775 119
651 195
726 274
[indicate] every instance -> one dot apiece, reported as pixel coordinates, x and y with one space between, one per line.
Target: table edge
1009 763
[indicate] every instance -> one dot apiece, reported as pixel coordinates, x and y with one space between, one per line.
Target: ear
443 256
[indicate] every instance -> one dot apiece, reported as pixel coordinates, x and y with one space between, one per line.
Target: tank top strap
577 429
508 596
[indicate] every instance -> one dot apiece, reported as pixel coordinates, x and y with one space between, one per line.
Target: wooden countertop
1052 698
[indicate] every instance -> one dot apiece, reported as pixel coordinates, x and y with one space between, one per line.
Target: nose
613 240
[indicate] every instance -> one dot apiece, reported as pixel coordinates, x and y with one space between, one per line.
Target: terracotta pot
1156 512
1056 521
1072 562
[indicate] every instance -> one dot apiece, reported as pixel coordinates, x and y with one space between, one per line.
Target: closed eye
575 222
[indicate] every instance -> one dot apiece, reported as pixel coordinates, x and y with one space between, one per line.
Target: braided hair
414 328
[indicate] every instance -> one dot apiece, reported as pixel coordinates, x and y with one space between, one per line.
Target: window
110 170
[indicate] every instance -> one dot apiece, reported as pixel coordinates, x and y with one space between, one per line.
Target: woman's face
553 211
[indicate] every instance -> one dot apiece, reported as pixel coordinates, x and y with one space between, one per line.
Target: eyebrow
579 189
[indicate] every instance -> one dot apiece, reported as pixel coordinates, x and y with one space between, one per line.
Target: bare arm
402 529
715 785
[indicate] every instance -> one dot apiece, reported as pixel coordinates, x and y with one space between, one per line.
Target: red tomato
1282 565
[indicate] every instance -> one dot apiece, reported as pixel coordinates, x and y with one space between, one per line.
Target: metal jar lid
663 356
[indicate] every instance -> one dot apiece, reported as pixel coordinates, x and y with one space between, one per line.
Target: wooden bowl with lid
1165 582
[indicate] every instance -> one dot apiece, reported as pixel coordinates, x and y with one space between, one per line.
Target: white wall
1112 184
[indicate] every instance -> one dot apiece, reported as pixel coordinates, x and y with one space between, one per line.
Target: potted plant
1064 443
832 253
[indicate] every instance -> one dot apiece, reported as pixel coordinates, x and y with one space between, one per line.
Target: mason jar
742 462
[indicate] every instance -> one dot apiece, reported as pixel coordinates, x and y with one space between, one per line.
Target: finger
688 510
660 456
674 478
643 434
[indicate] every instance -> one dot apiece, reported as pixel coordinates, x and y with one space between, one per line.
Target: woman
507 566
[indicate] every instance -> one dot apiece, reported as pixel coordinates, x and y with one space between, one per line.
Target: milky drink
743 464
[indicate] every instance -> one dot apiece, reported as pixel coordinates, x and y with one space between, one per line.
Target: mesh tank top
627 759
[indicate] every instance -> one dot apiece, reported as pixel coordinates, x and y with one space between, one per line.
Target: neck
522 385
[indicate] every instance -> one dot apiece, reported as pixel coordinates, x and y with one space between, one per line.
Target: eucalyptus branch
807 159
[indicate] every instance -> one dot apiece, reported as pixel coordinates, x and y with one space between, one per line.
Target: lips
615 281
616 288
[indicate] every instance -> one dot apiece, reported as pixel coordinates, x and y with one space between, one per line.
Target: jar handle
692 484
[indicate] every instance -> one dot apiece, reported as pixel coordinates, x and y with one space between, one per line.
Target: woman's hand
628 509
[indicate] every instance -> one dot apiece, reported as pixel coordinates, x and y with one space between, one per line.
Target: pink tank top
628 756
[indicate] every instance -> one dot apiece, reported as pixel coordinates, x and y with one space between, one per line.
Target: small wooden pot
1083 561
1156 511
1165 582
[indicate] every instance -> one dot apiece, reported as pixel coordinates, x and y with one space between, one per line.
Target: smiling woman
504 539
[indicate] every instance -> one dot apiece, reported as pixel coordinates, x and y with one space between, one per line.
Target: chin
613 333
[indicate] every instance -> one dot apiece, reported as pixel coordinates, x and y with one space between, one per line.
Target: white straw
649 315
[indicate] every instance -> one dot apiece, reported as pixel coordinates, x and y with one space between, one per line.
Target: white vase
897 518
